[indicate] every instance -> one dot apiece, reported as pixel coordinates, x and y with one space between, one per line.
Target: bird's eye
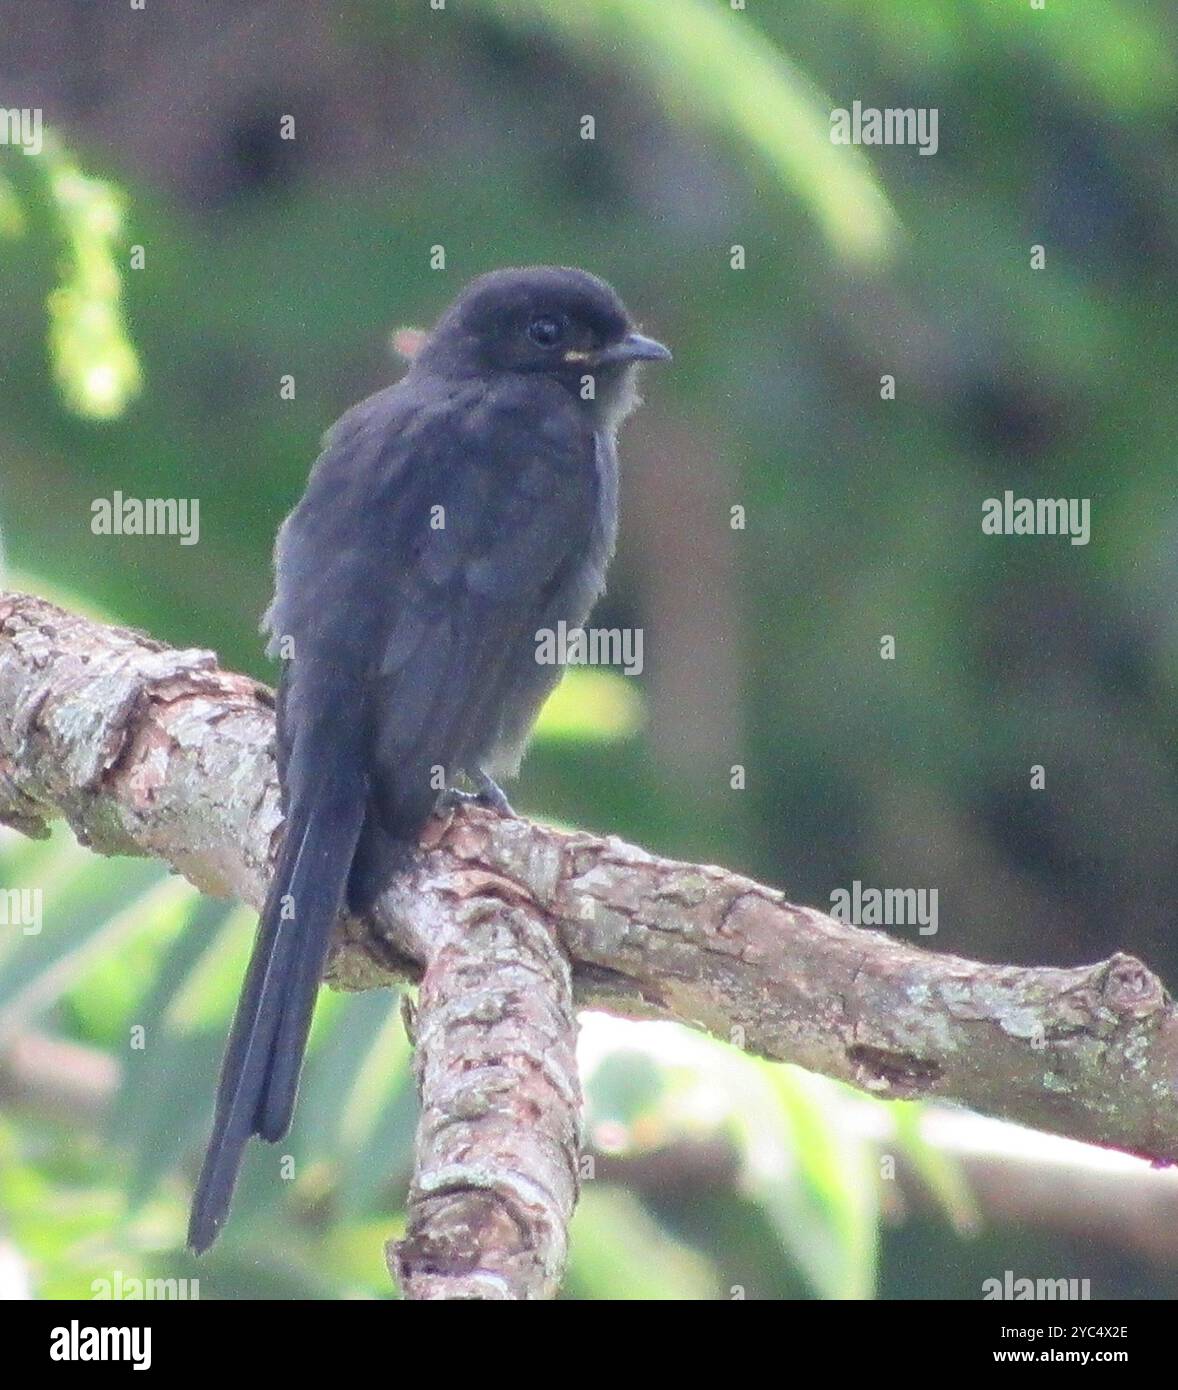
545 332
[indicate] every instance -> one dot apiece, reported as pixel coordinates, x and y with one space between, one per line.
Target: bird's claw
490 794
490 797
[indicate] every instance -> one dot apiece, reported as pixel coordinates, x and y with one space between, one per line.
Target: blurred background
791 276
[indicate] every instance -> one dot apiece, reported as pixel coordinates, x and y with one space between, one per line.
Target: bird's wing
517 499
440 525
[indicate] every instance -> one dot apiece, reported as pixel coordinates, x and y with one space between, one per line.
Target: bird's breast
605 530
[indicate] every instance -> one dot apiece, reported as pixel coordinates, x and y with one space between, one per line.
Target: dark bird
448 520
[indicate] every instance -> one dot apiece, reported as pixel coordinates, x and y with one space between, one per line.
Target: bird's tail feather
259 1076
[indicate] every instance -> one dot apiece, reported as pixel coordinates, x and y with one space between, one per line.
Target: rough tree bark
505 923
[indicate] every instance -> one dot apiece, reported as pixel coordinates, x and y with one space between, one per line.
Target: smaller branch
1023 1178
1016 1177
66 1080
495 1176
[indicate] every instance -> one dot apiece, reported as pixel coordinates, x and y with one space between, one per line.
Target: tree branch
148 750
495 1171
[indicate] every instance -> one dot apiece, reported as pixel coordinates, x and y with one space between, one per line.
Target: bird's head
552 320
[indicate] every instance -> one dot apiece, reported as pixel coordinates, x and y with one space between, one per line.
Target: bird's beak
634 347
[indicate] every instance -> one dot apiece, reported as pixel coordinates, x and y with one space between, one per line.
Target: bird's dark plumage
449 518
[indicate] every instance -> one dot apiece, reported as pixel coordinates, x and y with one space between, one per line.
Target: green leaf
714 66
94 361
591 706
152 1114
829 1217
357 1107
12 217
804 1159
620 1252
941 1173
87 908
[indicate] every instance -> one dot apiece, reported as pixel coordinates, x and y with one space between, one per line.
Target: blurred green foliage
462 128
94 363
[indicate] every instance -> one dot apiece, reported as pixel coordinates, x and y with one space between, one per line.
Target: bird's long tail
260 1073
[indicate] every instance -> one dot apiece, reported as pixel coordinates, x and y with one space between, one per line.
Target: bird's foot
489 796
452 798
